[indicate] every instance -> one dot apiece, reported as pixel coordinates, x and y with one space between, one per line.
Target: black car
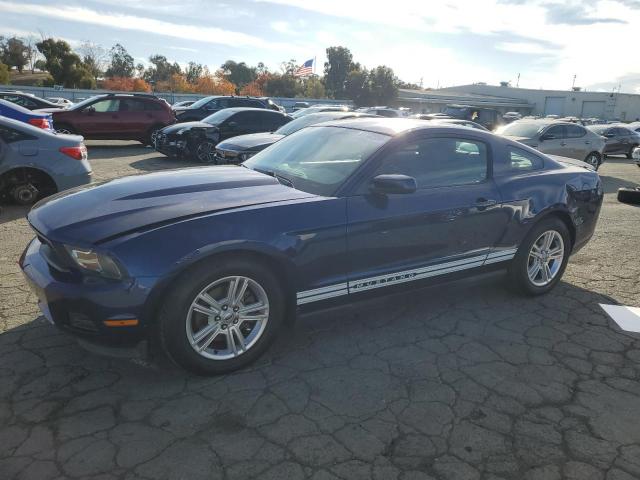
28 101
199 139
208 105
240 148
619 139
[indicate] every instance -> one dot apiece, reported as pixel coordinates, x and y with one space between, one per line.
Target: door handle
484 203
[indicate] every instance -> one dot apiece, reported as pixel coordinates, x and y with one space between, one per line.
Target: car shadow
9 213
612 184
160 162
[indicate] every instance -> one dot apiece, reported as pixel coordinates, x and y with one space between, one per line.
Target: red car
115 116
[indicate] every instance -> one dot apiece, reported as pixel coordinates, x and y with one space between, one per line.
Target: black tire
629 154
629 195
65 129
594 160
173 316
203 152
148 140
518 270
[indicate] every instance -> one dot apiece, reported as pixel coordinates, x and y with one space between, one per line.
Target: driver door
102 118
449 223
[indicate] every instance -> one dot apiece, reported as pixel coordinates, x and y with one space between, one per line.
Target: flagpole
314 64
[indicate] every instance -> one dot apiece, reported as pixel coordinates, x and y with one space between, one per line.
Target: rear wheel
221 316
150 139
25 186
593 159
629 154
542 258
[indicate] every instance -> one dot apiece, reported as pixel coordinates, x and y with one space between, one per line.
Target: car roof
392 126
250 109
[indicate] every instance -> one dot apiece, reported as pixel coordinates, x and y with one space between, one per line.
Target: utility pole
518 81
573 84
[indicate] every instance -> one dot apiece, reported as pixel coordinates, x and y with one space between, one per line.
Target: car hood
90 215
179 126
247 142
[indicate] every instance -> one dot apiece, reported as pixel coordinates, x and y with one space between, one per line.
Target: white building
603 105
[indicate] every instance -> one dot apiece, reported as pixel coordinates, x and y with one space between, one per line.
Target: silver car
558 138
35 163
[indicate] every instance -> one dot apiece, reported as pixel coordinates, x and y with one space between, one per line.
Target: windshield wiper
283 180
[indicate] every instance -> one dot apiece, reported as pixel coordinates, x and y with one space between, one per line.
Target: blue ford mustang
210 261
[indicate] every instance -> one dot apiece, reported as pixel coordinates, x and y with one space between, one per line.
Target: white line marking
627 318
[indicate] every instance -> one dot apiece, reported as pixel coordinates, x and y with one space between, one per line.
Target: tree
65 67
177 83
160 70
94 57
314 88
40 65
384 85
14 53
253 89
193 72
338 65
5 77
121 64
358 87
290 67
140 70
216 84
126 84
31 52
238 73
282 86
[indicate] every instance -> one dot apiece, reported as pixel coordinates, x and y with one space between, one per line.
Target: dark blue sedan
212 260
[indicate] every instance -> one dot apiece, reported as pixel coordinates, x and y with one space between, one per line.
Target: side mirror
547 136
232 125
393 183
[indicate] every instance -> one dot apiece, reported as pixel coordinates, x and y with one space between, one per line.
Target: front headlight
95 262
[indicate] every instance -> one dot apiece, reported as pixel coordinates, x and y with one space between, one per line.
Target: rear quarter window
522 161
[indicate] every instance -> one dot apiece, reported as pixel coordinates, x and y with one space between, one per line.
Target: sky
437 43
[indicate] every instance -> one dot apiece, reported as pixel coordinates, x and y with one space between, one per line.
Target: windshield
318 159
219 117
522 129
455 111
200 103
305 121
83 103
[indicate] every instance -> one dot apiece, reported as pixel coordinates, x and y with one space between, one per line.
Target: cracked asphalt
465 381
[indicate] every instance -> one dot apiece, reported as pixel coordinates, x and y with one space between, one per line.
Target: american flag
305 70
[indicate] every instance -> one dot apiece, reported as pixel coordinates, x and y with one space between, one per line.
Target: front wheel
221 316
629 154
541 258
205 152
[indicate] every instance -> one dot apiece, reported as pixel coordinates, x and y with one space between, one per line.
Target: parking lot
465 381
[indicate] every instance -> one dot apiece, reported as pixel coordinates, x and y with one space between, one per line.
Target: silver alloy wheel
206 152
227 318
592 159
545 258
154 134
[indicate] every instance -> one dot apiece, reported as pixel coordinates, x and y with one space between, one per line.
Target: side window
103 106
522 161
10 135
213 104
622 131
22 101
152 106
131 105
575 131
224 103
557 131
272 122
439 162
250 121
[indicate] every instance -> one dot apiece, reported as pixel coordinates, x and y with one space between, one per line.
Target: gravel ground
434 385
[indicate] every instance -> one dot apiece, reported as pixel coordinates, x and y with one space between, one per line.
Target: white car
64 102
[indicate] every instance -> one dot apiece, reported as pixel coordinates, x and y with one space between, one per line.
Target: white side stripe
369 283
